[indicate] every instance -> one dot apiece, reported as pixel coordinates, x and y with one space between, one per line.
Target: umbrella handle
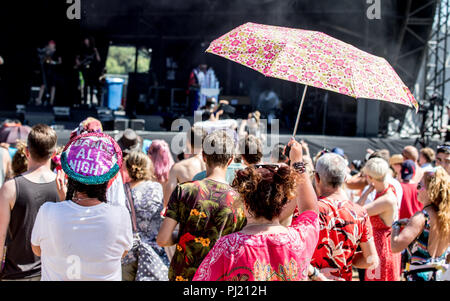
299 111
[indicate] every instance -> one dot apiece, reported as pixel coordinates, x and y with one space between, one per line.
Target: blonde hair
438 190
19 163
139 166
257 116
377 169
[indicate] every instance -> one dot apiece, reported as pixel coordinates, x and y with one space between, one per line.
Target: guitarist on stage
49 60
87 62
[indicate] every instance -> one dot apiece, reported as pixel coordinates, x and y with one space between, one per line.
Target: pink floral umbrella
314 59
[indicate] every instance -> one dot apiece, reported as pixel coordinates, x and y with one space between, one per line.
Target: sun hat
91 158
130 141
396 159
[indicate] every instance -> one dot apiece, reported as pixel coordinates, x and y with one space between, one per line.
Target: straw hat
396 159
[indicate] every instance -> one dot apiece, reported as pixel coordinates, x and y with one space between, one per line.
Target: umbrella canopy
10 133
314 59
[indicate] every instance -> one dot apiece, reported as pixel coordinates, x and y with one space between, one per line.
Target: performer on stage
49 60
87 62
201 77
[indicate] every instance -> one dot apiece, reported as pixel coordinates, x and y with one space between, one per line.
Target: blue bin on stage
115 89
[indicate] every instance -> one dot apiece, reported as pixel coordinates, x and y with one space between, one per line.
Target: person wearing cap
84 237
115 193
443 156
410 205
339 151
410 152
129 141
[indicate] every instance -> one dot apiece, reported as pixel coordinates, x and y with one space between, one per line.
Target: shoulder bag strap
131 205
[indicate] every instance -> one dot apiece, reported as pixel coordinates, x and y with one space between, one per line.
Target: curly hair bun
265 191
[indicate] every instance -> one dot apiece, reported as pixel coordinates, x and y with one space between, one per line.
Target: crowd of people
101 209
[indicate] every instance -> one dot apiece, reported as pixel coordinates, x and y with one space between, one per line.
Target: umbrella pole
299 111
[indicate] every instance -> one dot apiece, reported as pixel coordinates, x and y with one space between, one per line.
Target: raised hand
61 185
296 151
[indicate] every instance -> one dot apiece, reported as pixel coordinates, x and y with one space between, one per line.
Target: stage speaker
138 84
105 115
121 124
20 113
61 113
137 124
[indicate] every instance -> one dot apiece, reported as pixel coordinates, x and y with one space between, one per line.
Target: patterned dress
389 268
263 257
152 259
418 256
205 211
343 226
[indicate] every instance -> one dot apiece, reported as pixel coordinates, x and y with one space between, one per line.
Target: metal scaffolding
436 78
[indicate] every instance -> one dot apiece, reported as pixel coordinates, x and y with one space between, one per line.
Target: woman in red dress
383 211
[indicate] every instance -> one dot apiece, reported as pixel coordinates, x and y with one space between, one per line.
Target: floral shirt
205 212
343 226
263 257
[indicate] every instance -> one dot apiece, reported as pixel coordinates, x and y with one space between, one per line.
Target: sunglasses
443 147
420 186
268 166
324 151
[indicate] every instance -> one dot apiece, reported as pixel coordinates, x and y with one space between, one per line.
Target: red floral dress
263 257
389 268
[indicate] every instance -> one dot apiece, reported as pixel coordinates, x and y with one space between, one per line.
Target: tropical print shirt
263 257
205 211
343 226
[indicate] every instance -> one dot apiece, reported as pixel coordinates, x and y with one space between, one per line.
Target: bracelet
300 167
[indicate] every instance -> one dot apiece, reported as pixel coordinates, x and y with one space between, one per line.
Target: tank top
418 255
20 261
2 169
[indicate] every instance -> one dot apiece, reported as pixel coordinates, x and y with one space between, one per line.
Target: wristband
300 167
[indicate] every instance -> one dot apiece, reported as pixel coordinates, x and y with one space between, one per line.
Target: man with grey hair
344 226
203 209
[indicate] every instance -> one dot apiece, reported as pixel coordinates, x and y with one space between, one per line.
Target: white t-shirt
115 194
82 243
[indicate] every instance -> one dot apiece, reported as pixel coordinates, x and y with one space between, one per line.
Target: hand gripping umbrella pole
299 112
